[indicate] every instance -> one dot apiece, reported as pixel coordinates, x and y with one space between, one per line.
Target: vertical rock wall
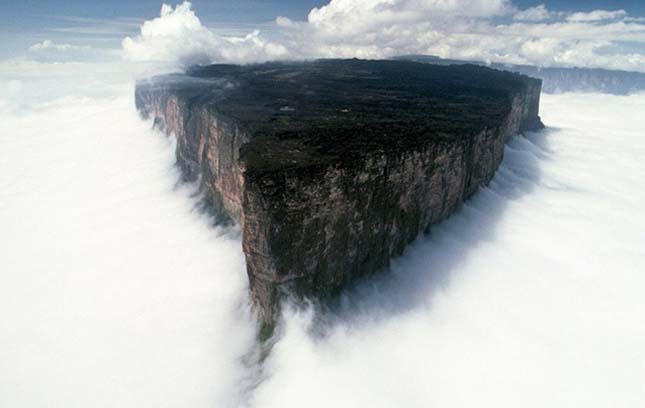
208 145
311 232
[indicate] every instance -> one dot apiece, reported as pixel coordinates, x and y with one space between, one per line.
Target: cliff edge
333 167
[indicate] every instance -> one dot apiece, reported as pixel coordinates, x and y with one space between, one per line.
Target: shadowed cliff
333 167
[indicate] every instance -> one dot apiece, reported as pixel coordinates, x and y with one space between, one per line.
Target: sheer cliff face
313 233
208 146
311 227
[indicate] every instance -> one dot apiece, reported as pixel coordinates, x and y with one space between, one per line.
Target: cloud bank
488 30
114 290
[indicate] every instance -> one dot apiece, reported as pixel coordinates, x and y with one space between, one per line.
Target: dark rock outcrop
332 167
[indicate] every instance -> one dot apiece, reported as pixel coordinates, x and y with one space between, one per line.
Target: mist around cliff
116 290
531 295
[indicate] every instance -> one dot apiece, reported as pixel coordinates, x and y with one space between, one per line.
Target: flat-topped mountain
332 167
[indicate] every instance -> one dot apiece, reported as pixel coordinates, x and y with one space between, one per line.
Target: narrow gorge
333 167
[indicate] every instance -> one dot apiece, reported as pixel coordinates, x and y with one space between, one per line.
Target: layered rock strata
333 167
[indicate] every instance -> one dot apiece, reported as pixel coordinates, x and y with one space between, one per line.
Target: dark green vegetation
314 113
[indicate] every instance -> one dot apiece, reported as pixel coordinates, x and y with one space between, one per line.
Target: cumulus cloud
488 30
366 14
178 35
537 13
385 28
382 28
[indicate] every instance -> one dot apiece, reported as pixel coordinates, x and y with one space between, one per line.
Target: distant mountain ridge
559 80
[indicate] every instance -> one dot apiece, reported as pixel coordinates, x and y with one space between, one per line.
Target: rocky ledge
332 167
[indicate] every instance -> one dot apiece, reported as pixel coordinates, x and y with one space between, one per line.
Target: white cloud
384 28
50 51
110 278
537 13
98 28
50 45
373 28
177 35
597 15
497 307
462 29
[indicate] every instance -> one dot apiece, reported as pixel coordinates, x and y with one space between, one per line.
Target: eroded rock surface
333 167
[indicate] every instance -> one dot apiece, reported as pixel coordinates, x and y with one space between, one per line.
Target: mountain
333 167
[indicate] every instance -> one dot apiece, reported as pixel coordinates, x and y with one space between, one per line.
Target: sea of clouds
116 290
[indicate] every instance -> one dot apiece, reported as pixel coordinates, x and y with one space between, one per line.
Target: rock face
333 167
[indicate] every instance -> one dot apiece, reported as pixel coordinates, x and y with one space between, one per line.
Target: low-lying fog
116 292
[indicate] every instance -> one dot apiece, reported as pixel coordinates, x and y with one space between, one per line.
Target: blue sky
99 25
39 15
24 22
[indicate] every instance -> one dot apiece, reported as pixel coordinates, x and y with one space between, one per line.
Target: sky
592 33
33 13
